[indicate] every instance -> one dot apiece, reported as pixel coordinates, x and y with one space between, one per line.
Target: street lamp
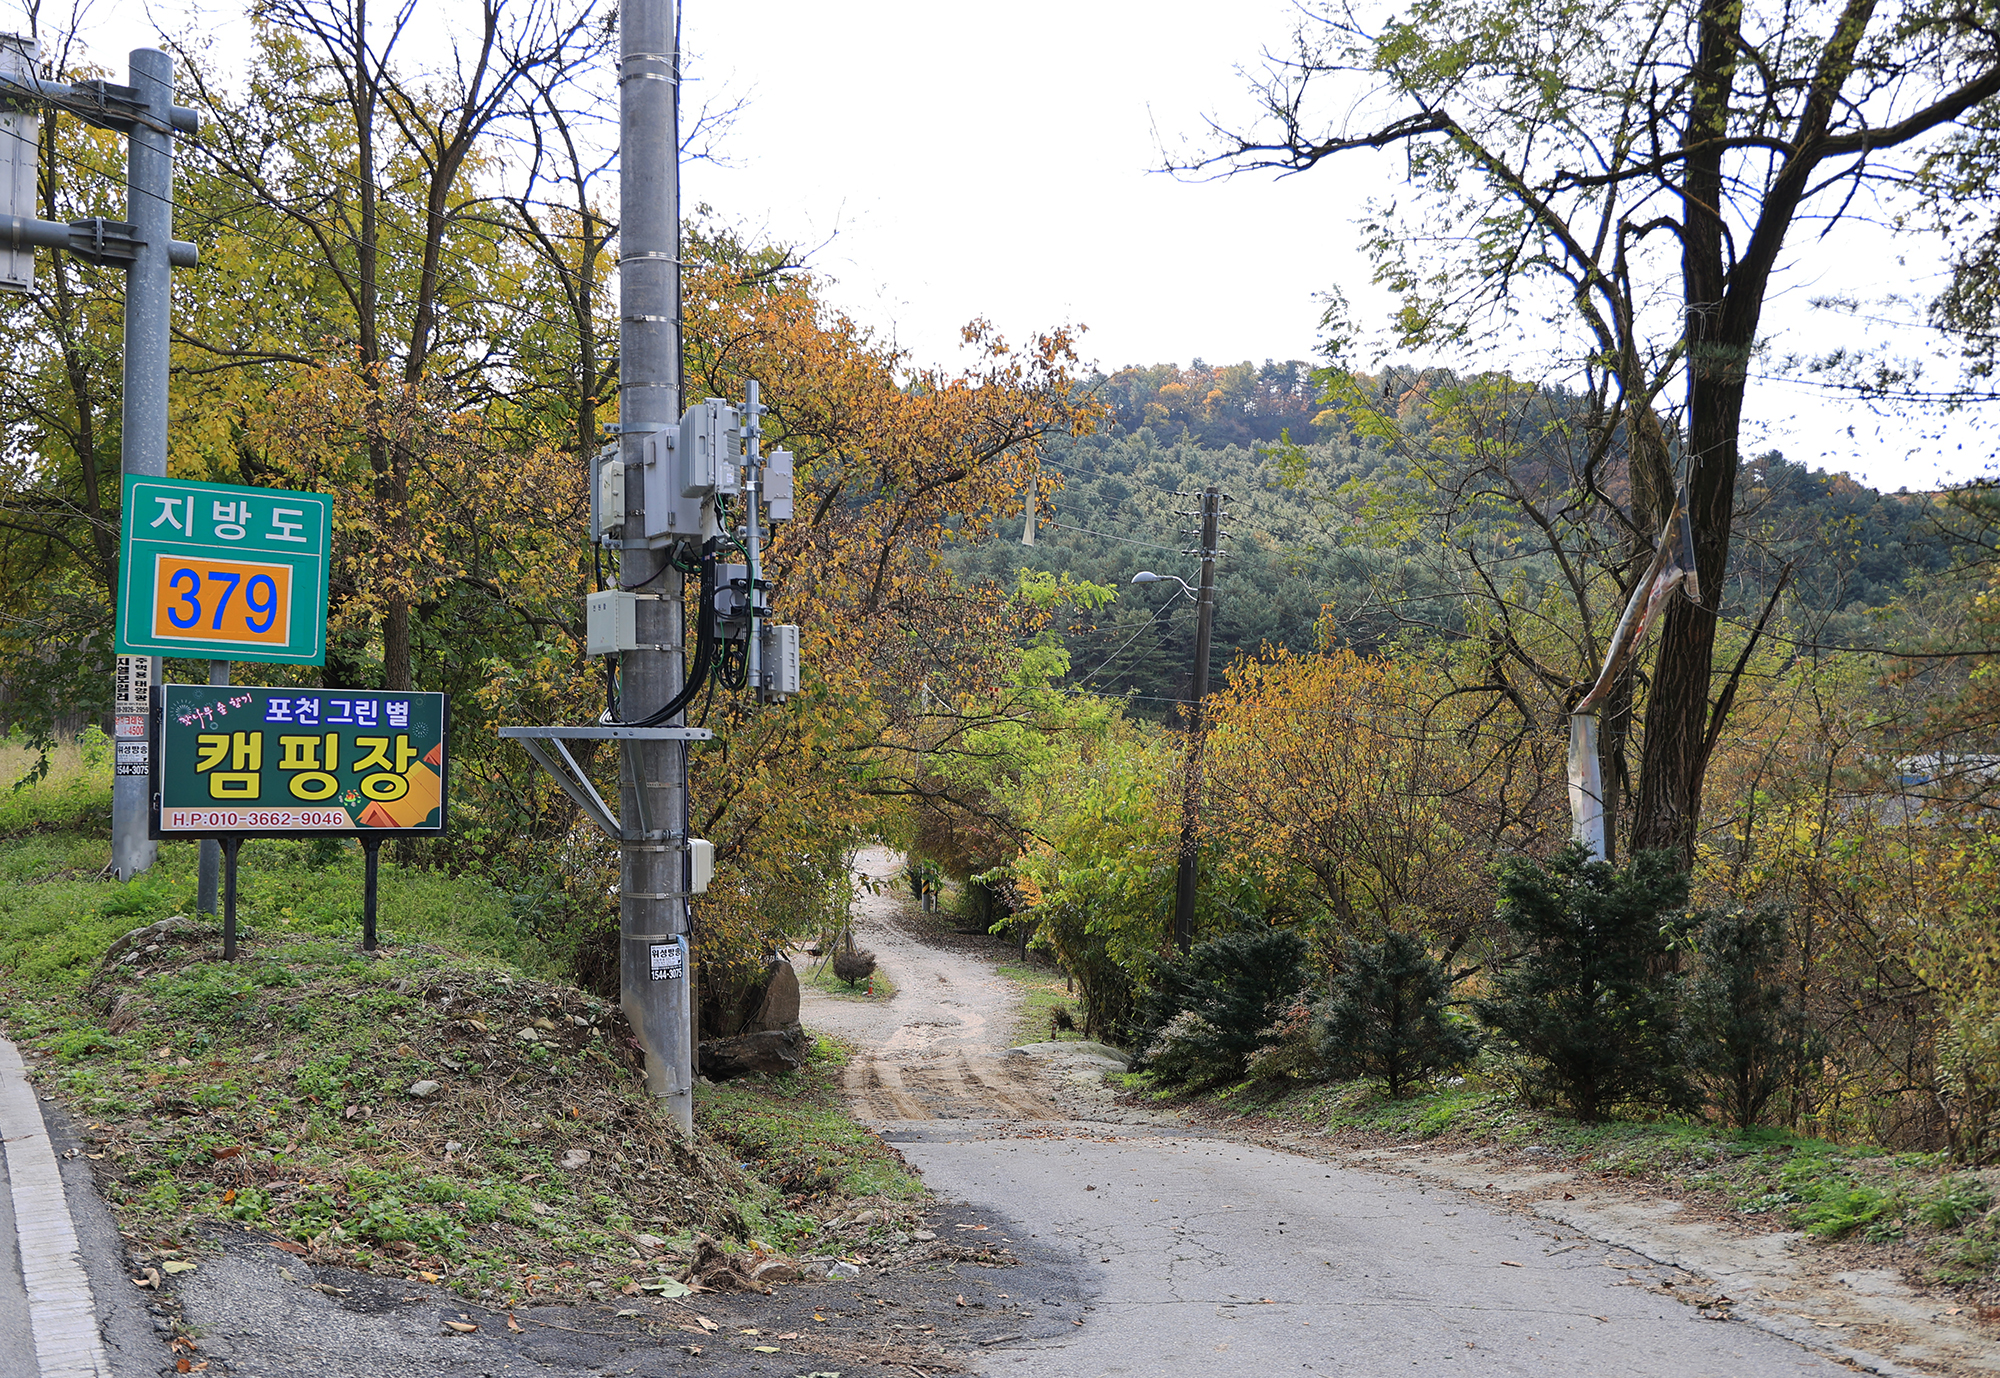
1204 597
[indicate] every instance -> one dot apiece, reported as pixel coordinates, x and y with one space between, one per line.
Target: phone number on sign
250 819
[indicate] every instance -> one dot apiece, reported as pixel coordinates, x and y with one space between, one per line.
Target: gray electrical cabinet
611 622
781 660
711 462
671 515
778 486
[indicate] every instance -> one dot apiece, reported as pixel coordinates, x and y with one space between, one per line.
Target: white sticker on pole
134 685
665 961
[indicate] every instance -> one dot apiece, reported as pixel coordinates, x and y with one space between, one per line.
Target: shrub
1954 1201
1188 1050
1239 984
1747 1038
1590 997
1384 1017
1287 1051
853 967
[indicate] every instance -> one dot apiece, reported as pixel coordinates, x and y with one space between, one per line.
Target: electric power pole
653 904
1211 519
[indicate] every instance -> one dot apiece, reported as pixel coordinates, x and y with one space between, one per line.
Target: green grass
818 973
1043 990
797 1130
275 1091
75 793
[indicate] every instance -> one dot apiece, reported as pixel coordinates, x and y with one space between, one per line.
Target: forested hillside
1313 530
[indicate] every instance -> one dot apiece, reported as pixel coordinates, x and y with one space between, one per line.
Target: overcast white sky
957 160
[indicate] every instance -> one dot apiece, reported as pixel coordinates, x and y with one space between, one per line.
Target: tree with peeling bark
1627 175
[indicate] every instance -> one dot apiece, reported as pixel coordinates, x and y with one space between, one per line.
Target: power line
1104 536
1144 627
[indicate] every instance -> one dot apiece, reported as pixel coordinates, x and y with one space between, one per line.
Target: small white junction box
611 622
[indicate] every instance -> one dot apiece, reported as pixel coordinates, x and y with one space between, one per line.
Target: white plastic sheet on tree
1673 565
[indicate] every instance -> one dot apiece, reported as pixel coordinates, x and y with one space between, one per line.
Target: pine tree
1590 996
1748 1037
1384 1017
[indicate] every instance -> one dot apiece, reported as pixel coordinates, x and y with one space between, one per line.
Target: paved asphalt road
1210 1257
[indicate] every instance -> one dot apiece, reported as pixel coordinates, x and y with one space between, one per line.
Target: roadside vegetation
448 1108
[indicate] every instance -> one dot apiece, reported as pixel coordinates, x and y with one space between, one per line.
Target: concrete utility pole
1211 518
653 905
145 113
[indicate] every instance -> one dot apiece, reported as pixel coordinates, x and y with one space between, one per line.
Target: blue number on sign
187 597
217 577
268 605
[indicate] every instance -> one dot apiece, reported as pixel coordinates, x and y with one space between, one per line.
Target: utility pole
143 111
1211 520
654 879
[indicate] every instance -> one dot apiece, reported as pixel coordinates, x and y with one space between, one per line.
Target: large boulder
780 1006
769 1050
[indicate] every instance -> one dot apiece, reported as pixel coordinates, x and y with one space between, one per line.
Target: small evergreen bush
1287 1051
1748 1038
1384 1017
1590 997
1240 985
1188 1050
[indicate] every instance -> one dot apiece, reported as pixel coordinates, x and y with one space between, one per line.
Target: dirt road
1200 1251
938 1049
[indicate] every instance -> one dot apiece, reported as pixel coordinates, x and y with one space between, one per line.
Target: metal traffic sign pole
211 851
144 111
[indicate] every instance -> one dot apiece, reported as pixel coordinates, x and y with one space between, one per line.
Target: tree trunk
1668 809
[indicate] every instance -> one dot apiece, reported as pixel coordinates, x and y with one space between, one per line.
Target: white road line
61 1311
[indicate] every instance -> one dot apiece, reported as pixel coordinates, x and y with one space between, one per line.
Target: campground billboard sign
258 762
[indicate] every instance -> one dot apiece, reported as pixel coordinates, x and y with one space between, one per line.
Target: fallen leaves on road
148 1277
1510 1263
462 1327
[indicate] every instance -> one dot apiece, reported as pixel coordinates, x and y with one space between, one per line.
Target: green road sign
217 572
230 759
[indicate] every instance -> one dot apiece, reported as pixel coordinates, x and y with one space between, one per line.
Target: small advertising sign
217 571
230 759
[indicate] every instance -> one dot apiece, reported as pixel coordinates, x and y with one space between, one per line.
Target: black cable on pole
704 647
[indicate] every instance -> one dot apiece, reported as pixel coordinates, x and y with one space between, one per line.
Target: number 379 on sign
221 600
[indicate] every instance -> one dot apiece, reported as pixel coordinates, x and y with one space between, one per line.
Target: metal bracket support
545 746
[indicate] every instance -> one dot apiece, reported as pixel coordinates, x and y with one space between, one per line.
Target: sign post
236 761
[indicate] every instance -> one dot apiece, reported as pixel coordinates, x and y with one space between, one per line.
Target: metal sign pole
229 846
373 846
211 852
143 438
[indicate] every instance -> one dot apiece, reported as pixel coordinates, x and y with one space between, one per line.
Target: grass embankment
817 972
288 1091
1913 1210
1043 992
